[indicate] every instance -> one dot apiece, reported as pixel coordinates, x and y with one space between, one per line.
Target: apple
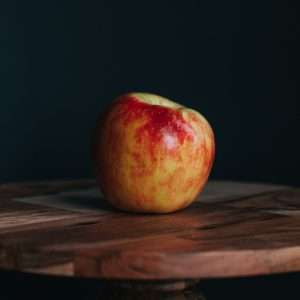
151 154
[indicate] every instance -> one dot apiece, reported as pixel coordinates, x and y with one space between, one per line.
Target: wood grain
65 228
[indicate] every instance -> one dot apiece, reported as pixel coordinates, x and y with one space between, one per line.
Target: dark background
234 61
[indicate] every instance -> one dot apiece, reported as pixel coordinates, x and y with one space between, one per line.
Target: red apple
152 154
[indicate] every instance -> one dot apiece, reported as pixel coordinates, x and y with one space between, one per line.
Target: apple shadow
82 201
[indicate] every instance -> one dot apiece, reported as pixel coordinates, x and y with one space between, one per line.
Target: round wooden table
232 230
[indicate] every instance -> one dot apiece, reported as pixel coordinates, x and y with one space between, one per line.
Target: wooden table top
233 229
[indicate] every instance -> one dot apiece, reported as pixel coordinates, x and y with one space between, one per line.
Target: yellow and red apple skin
151 154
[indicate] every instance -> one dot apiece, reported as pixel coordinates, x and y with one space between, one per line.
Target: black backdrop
232 60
